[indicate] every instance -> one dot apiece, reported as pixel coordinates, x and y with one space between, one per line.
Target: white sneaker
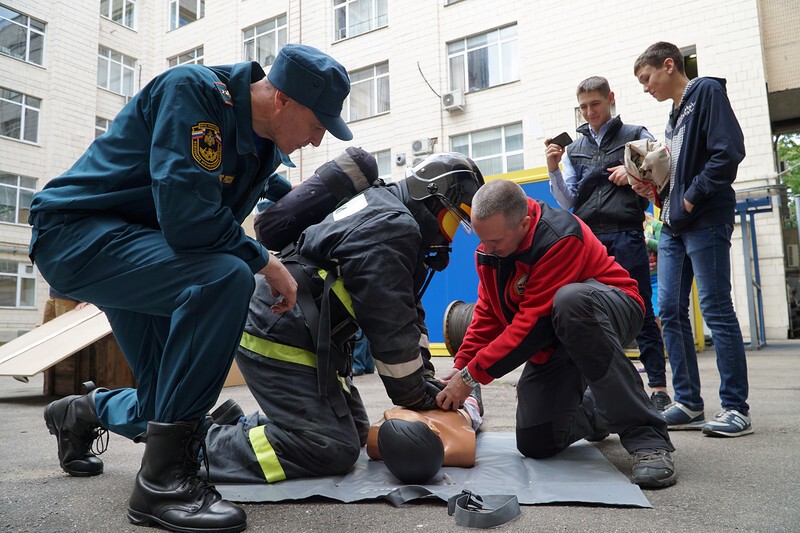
728 423
678 416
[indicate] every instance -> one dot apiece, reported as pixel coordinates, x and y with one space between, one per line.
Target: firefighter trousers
299 434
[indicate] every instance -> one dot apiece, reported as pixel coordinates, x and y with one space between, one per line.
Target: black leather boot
168 490
73 420
227 414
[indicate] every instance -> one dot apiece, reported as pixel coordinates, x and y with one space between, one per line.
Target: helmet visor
422 188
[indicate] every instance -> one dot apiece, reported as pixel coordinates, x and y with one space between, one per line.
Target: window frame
377 21
385 157
374 93
505 154
19 189
279 30
128 7
26 271
465 51
197 59
174 20
27 112
101 129
27 27
110 61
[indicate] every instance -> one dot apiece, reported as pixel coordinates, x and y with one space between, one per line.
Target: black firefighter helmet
452 179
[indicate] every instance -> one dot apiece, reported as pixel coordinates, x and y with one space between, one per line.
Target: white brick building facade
558 44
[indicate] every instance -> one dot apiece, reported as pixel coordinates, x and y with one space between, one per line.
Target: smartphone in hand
562 139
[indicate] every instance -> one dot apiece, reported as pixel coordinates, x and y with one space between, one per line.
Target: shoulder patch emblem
224 92
520 283
207 145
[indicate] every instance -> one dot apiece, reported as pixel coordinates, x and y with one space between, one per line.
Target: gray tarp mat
579 474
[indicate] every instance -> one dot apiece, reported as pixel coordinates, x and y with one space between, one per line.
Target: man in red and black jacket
551 298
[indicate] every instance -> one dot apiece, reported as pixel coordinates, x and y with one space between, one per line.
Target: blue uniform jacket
179 157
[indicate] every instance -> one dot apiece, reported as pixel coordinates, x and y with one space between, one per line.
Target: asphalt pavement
743 484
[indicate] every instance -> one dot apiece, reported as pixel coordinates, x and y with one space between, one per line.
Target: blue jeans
703 254
362 355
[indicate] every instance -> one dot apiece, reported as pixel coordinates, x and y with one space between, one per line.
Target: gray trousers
306 436
592 322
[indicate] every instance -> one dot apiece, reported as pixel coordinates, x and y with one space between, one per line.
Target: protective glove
427 400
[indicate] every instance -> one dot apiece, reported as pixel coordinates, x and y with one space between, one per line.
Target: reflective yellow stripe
399 370
340 292
281 352
265 453
345 386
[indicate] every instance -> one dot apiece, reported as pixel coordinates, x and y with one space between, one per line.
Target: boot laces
92 440
96 440
195 449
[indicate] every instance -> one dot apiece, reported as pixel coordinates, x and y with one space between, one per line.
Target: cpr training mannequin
414 445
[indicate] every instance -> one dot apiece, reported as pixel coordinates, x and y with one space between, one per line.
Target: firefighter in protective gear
365 265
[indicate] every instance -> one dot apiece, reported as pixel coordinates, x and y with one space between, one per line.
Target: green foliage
789 153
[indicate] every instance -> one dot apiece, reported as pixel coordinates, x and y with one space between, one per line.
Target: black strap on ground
471 510
407 493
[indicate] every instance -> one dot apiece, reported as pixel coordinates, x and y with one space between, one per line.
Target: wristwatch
467 378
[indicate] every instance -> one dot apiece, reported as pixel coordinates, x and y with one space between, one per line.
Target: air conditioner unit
453 101
422 146
792 256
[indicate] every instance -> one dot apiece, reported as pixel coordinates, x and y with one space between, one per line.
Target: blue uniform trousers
178 317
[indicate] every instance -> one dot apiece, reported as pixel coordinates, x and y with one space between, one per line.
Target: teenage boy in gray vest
594 184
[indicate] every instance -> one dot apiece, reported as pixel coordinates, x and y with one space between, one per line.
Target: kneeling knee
538 442
338 458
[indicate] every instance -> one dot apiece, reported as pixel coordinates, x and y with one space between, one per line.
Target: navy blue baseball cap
316 80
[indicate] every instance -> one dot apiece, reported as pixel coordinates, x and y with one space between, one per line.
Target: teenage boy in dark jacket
706 145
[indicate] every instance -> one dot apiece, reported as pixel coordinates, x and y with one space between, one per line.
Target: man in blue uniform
146 225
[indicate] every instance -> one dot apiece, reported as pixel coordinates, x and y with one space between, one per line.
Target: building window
17 284
384 159
21 36
19 116
690 61
354 17
193 57
100 126
580 121
484 60
16 193
115 71
262 42
495 151
119 11
369 92
183 12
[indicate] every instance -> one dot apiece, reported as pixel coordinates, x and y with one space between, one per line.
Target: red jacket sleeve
496 349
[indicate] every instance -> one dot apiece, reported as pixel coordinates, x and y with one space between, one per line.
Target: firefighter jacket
512 318
374 246
180 157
